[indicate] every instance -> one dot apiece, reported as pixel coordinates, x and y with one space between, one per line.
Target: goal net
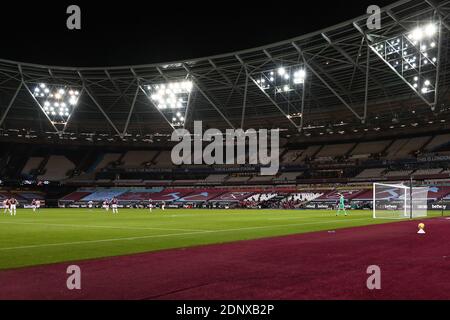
399 201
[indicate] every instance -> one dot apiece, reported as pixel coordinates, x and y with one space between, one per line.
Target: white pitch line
97 226
171 235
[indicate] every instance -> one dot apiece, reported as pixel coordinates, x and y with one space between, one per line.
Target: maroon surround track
319 265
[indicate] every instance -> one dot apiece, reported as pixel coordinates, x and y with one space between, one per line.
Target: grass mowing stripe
172 235
98 226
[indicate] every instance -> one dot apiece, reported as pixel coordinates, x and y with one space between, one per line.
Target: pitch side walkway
319 265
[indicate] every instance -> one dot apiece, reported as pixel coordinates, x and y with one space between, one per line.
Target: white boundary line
172 235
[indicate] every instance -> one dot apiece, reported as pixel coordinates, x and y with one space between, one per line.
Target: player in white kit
6 206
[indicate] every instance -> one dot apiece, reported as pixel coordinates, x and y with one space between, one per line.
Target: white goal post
398 201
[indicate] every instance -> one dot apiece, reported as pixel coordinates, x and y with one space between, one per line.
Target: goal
398 201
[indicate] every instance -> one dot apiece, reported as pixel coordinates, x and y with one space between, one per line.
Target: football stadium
298 170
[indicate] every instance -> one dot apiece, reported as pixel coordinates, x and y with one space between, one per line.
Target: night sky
138 32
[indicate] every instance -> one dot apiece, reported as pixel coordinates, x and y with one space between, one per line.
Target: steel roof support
439 12
350 59
186 112
71 114
366 93
273 61
160 112
244 100
149 99
130 112
268 96
85 87
42 109
326 83
11 102
207 97
438 64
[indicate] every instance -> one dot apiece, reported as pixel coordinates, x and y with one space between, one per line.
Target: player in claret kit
114 203
150 205
106 205
12 206
33 205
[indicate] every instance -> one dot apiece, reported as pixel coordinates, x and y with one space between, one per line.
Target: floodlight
416 34
430 29
171 96
55 100
281 71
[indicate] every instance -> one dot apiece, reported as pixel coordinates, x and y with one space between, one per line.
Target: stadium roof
349 85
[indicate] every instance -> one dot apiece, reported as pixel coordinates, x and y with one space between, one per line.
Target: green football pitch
57 235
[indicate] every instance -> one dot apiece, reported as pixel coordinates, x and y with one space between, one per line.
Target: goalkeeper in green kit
341 205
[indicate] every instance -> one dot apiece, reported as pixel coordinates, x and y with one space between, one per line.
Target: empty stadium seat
137 158
57 168
370 147
335 150
32 164
371 173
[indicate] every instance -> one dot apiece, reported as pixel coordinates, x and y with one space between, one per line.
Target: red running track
319 265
